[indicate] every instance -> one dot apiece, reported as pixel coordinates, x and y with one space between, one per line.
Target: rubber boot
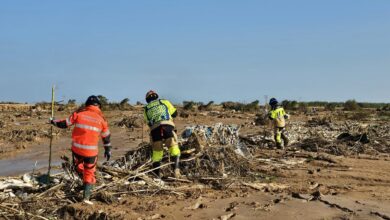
176 166
87 193
276 143
285 140
157 171
279 145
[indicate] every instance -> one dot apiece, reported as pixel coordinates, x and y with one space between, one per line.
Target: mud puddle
36 157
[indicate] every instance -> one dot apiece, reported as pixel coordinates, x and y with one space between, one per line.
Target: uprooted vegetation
133 121
207 151
18 131
213 157
333 137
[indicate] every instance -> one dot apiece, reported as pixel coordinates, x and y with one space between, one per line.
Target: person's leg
157 156
285 137
173 146
78 163
157 149
278 137
89 178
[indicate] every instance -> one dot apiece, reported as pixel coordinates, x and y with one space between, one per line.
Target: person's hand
107 152
51 121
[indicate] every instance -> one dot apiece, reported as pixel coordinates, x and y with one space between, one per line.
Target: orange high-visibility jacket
89 126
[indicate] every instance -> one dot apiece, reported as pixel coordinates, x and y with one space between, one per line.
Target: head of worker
94 101
151 96
273 103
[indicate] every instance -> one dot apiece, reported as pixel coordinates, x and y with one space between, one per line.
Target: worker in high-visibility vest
159 114
278 117
89 126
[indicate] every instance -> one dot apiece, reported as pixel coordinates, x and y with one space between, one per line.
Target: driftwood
14 184
227 217
180 180
52 189
270 187
19 212
130 176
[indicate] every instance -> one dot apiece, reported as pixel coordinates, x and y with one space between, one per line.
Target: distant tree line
122 105
237 106
349 105
291 105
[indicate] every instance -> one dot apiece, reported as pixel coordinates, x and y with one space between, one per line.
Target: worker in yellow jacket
159 114
278 117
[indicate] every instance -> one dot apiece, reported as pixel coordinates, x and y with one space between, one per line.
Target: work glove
107 152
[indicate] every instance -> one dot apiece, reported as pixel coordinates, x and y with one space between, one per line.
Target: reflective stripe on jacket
89 126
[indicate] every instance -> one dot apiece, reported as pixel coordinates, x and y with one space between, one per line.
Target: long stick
18 211
143 122
51 130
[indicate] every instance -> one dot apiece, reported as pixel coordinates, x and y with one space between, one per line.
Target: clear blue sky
195 50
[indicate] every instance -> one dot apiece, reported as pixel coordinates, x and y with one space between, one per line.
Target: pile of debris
29 135
348 138
218 162
221 161
315 122
28 198
209 165
262 119
134 121
198 137
19 138
15 107
337 138
206 151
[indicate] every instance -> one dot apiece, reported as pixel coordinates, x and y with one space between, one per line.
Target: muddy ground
321 175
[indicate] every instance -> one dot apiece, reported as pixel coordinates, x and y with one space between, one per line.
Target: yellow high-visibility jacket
278 116
159 112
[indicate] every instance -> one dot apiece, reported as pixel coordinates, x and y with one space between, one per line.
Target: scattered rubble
134 121
217 165
15 107
209 151
323 135
261 119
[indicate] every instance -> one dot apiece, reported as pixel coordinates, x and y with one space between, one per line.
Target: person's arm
285 115
106 138
171 109
270 115
64 123
174 114
146 117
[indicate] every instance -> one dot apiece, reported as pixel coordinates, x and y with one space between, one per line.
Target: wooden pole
51 132
143 127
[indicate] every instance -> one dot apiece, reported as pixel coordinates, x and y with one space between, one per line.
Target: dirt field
320 175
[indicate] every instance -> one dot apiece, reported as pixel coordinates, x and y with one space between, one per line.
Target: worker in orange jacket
89 126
